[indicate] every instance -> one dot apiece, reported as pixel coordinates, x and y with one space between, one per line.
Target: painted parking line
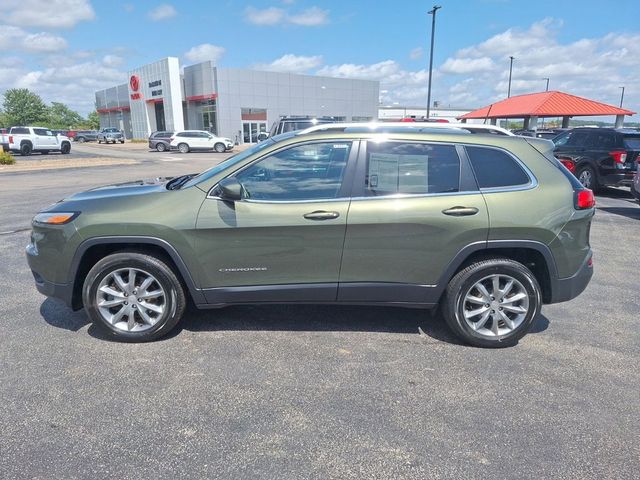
172 159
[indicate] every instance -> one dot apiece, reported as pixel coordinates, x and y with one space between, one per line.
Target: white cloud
16 39
589 67
162 12
292 63
466 65
112 60
416 53
267 16
204 52
46 13
43 42
311 17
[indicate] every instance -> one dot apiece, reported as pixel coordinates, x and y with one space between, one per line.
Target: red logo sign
134 83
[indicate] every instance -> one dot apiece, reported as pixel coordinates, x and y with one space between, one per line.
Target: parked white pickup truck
26 140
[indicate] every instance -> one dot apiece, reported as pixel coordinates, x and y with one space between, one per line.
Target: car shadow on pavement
630 212
301 318
611 192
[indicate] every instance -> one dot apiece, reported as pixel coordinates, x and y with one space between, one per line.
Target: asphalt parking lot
315 392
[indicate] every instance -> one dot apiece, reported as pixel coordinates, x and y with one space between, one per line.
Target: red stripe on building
195 98
113 109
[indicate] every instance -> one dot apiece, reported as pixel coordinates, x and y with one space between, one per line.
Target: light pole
431 12
621 96
510 70
547 88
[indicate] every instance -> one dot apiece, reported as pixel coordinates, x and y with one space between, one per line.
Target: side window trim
533 181
359 191
344 193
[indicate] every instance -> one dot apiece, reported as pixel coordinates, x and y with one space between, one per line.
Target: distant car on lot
110 135
602 156
191 140
160 141
85 136
293 124
352 214
26 140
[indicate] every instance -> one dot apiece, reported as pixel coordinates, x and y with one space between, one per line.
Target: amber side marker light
55 218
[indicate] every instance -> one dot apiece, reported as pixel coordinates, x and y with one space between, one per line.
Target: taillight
10 138
570 164
619 156
585 199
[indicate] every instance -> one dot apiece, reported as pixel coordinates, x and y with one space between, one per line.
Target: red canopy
546 104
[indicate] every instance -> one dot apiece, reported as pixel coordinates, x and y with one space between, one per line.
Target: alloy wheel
586 178
131 299
495 305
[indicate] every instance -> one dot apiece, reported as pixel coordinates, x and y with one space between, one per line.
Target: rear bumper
565 289
622 179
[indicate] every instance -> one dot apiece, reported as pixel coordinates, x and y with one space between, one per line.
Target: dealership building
230 102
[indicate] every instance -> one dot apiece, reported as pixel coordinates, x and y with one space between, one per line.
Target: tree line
20 106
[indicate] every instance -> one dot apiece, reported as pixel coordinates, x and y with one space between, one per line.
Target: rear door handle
321 215
460 211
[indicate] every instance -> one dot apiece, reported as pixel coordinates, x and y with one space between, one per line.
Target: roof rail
399 126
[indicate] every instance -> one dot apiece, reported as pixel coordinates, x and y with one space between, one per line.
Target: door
283 241
45 139
415 206
251 130
160 121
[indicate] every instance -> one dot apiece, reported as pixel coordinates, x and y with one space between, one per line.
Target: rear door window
495 168
602 140
411 168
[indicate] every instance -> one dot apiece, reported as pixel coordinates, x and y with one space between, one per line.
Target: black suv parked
160 141
603 156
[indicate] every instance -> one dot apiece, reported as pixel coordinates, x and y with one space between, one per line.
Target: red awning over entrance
546 104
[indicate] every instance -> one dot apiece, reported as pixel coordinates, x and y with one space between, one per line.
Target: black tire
586 175
164 275
121 141
81 139
161 147
99 141
220 148
65 149
26 149
464 281
183 148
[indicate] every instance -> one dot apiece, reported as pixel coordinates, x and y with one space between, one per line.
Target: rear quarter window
19 130
495 168
631 142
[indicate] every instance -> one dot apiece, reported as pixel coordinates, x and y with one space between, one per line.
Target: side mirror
230 189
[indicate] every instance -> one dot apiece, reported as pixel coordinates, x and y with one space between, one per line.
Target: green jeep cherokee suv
488 227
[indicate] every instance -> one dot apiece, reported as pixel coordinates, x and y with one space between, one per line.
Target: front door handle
460 211
321 215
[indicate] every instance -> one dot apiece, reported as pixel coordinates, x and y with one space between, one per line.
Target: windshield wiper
178 182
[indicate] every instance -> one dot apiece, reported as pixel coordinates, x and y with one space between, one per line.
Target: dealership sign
134 83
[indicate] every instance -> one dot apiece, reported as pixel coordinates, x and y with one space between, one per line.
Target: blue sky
66 49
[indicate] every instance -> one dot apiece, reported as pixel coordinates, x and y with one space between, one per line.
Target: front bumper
565 289
62 291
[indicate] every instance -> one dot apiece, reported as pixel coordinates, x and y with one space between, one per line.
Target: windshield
632 142
213 171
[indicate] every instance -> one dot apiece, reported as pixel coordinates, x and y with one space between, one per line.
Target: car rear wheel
161 147
492 303
587 177
134 297
219 147
81 139
26 149
183 148
66 148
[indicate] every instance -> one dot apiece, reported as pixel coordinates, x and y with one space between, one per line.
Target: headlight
55 218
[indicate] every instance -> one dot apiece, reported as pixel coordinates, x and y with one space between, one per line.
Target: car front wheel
220 148
492 303
134 297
